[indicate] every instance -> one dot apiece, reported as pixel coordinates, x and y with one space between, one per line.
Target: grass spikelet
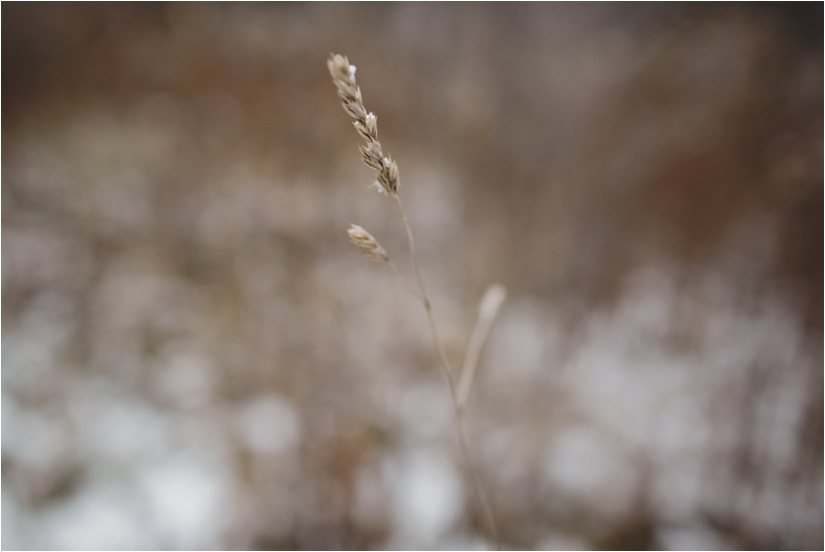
368 245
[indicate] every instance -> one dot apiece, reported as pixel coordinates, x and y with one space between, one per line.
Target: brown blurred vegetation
645 179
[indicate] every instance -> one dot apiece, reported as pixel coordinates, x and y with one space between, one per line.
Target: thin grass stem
404 280
445 364
478 488
466 454
488 308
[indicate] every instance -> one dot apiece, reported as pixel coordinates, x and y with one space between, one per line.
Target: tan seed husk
368 245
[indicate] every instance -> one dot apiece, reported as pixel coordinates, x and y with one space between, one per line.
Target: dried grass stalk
386 181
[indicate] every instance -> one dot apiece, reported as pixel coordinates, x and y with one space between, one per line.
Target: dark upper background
183 316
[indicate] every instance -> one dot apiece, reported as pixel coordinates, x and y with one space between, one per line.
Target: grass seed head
369 128
388 176
372 155
368 245
343 76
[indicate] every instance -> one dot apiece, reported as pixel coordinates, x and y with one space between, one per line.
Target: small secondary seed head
368 245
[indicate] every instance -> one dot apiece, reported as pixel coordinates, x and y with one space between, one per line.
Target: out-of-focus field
194 356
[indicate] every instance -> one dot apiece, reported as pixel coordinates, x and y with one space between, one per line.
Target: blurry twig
488 308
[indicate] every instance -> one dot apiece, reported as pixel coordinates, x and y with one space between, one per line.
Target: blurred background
194 356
